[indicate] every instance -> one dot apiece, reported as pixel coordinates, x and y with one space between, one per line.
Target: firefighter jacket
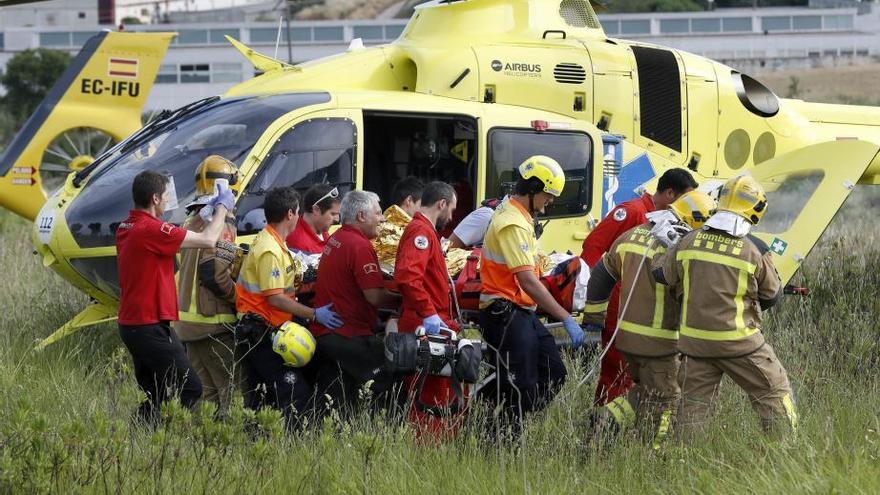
421 276
206 287
622 218
649 326
724 283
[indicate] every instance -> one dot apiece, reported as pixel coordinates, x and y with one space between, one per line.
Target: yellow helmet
744 196
546 170
694 208
294 343
215 167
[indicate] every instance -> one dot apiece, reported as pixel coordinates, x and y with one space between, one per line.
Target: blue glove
224 196
327 317
432 324
574 331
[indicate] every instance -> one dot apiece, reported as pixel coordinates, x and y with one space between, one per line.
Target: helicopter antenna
278 37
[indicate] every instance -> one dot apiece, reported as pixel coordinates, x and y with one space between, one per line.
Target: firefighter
265 301
145 249
726 280
352 356
530 370
312 229
206 288
648 328
614 380
423 281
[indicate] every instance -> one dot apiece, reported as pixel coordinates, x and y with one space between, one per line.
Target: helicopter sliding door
317 148
805 188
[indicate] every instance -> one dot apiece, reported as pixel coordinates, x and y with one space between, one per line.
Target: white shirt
472 228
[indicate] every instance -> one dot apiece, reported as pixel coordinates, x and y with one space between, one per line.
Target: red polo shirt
348 267
421 276
305 239
145 249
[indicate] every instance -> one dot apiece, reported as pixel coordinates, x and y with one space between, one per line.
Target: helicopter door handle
553 31
580 235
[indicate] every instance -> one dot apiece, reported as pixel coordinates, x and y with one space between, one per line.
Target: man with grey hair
349 277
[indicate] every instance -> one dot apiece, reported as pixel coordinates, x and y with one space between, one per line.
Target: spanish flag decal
123 67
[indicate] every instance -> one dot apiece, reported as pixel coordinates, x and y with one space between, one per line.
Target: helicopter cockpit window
226 127
314 151
787 196
508 148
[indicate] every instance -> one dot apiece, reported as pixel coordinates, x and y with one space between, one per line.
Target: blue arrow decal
625 186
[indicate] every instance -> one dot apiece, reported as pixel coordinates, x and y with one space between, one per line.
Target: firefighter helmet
212 168
694 208
744 196
547 171
294 343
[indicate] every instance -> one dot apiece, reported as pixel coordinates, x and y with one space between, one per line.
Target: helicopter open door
805 188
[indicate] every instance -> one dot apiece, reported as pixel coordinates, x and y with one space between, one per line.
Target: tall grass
64 412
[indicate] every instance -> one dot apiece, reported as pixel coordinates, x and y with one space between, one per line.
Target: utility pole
289 43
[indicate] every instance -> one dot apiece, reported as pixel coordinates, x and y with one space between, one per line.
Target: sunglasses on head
332 194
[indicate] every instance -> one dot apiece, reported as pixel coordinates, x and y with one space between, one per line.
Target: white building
68 13
154 10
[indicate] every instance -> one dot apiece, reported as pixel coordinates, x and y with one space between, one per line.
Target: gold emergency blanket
390 233
455 260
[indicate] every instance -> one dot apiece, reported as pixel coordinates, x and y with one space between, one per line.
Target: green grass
64 412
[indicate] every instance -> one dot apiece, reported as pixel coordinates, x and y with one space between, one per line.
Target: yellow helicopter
469 90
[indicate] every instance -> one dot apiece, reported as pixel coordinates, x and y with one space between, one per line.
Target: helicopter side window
787 196
508 148
315 151
428 146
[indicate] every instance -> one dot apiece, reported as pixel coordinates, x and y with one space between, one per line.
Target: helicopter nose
45 227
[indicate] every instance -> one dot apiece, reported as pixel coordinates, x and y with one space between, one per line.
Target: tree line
27 78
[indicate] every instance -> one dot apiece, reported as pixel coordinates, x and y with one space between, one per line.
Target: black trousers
345 365
161 367
268 382
530 371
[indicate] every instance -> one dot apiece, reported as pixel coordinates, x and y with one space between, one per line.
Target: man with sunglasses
321 210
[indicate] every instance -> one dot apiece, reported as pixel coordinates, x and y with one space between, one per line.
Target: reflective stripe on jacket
206 290
268 269
649 327
510 235
723 281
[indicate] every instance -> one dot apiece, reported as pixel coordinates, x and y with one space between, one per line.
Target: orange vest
499 280
268 269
